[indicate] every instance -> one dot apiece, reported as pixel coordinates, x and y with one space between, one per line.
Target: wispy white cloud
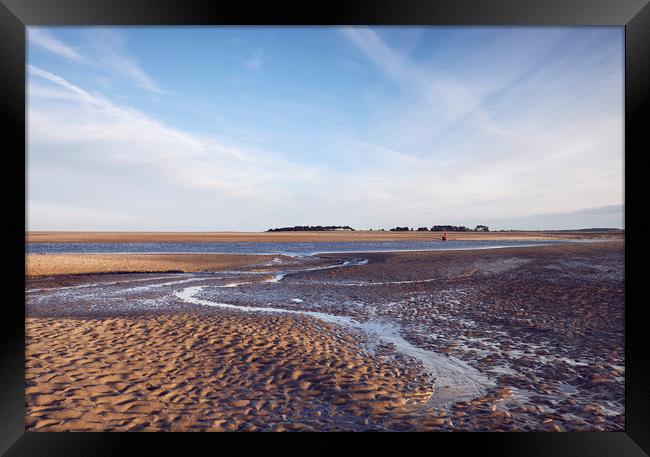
44 40
80 93
482 166
374 48
92 125
108 48
436 87
123 64
256 61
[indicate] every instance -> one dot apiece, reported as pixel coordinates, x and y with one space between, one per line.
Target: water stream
454 380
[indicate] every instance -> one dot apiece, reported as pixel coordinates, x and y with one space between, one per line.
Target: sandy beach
72 264
222 371
496 339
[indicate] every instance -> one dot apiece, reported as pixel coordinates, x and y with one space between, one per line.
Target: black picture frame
634 15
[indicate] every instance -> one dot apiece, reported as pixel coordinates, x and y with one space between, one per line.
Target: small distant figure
444 236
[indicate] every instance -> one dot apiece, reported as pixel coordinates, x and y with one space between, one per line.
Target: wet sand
343 236
538 332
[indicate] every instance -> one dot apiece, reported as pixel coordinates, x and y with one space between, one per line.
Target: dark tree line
311 228
444 228
450 228
435 228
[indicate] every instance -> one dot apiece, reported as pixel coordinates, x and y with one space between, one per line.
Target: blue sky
248 128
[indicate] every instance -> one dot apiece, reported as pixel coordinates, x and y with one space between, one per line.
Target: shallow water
454 379
290 249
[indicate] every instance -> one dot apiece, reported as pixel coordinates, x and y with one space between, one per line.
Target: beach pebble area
335 342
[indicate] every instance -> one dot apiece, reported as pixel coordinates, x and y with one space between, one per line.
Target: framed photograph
352 217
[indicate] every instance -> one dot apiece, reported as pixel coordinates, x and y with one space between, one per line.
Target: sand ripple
225 371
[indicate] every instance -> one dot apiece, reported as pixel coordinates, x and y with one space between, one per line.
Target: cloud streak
43 39
108 49
471 160
124 65
443 94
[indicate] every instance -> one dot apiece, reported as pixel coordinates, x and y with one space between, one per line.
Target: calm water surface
291 249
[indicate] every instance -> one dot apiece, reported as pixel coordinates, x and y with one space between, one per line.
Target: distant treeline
444 228
435 228
311 228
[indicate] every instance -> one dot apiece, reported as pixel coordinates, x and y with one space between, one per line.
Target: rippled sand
224 371
503 339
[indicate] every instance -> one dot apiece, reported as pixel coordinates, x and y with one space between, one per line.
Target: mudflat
343 236
496 339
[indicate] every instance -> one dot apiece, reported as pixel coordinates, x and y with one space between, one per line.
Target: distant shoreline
308 236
